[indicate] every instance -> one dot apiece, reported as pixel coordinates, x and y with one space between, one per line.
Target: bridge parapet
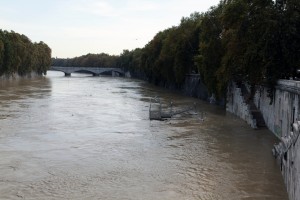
96 71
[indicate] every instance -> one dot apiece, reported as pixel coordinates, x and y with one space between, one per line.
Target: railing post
171 109
150 108
159 108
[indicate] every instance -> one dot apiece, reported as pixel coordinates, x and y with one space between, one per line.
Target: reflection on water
90 138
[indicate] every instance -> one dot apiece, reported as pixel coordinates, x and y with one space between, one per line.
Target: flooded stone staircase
257 115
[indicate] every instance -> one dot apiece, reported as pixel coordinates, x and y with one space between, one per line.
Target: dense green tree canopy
89 60
19 55
210 48
169 56
261 41
254 41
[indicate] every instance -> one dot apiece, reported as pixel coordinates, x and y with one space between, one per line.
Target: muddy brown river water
85 137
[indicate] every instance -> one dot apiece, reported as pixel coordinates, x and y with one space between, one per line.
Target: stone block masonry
237 105
282 117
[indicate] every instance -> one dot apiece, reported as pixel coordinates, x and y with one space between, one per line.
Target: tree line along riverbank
20 56
255 42
252 41
238 40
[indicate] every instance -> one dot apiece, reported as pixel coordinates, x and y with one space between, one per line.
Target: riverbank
16 76
192 87
278 118
282 118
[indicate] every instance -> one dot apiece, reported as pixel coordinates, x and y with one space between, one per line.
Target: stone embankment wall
236 104
16 76
194 87
284 110
282 117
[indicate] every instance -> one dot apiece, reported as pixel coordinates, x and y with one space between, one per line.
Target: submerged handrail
160 114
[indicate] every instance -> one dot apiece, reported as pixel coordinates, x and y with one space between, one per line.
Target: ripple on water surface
90 138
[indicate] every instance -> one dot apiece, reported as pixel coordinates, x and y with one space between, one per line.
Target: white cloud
95 7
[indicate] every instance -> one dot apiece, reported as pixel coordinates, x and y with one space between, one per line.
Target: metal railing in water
158 112
155 109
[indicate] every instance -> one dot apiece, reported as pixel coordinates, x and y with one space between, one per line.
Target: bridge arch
86 72
96 71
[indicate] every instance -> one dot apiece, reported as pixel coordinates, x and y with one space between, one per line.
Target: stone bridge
96 71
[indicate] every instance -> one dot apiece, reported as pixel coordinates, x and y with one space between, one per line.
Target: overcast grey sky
77 27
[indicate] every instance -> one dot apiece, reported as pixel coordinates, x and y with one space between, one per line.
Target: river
84 137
